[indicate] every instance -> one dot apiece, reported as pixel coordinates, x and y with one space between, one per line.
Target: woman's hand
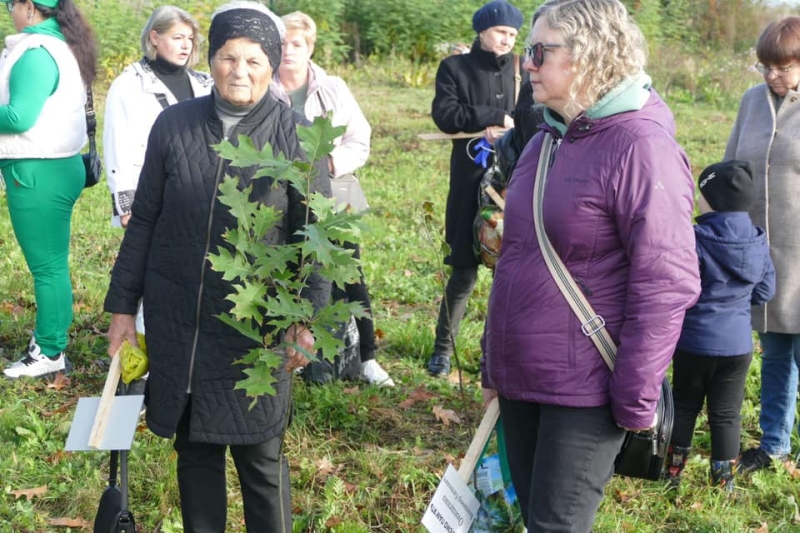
302 337
123 220
642 430
121 328
493 133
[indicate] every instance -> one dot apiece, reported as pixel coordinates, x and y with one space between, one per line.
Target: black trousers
358 292
454 305
263 476
561 459
720 380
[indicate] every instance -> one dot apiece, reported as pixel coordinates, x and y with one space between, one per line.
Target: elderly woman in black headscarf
177 220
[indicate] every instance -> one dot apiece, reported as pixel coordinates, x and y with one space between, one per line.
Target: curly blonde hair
605 45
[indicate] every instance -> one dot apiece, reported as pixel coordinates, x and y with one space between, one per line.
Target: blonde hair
606 46
161 21
297 20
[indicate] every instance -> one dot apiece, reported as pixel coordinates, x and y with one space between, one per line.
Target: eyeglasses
536 52
10 5
779 71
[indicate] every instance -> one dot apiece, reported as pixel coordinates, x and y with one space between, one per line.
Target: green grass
360 461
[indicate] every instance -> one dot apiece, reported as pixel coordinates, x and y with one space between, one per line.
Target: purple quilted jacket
618 211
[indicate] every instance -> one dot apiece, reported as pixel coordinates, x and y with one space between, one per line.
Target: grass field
362 459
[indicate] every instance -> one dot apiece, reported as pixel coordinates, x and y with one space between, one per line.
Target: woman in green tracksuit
44 72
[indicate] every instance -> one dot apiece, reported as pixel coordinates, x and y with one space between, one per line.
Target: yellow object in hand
134 361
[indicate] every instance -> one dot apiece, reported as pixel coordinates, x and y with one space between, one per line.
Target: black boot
722 473
676 462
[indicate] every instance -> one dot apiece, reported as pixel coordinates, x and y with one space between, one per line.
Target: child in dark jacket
716 344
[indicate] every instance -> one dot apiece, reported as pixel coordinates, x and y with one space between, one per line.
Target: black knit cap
496 13
249 23
728 186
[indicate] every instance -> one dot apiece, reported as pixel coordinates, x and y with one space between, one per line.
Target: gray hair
161 21
605 45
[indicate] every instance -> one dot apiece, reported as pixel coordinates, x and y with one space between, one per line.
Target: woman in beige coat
766 133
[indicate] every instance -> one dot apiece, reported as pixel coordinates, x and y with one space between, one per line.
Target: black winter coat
177 220
473 91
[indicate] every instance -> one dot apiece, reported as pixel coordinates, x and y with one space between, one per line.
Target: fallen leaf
325 467
69 522
351 390
29 493
66 406
407 403
408 273
333 522
379 334
421 394
59 382
56 457
696 506
763 529
445 416
623 497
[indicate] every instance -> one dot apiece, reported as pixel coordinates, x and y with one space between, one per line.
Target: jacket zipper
202 276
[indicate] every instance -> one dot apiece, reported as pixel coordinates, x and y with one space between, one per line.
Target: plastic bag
499 511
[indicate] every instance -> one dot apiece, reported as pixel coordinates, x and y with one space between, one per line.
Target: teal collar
48 26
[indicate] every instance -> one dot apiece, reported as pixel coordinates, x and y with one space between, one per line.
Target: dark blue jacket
735 272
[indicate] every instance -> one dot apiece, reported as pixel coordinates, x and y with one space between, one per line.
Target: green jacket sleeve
34 77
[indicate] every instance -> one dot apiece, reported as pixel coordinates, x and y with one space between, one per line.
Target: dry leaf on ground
69 522
59 382
421 394
407 403
445 416
325 468
29 493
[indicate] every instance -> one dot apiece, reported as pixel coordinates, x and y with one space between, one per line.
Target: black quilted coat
473 91
177 220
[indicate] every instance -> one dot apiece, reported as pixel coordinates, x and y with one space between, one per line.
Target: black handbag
91 159
113 515
643 452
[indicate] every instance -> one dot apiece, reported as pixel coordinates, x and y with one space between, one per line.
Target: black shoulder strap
112 468
162 99
91 120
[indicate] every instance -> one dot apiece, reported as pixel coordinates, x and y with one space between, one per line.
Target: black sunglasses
536 52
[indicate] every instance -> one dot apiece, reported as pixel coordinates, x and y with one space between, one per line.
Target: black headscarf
249 23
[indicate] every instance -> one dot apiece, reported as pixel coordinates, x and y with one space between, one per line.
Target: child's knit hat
728 186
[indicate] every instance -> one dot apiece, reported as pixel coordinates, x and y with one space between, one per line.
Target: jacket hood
732 244
632 94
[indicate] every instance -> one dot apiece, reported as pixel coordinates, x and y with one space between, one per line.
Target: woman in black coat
475 92
177 220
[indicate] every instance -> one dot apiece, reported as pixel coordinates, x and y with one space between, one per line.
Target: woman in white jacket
311 92
137 96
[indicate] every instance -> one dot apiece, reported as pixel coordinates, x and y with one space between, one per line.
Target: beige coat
767 133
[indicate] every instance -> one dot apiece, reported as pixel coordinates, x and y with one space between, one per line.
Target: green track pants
41 195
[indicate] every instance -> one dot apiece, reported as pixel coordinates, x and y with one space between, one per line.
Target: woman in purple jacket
618 211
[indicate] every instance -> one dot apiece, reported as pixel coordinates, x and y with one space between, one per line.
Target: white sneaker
372 373
35 364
